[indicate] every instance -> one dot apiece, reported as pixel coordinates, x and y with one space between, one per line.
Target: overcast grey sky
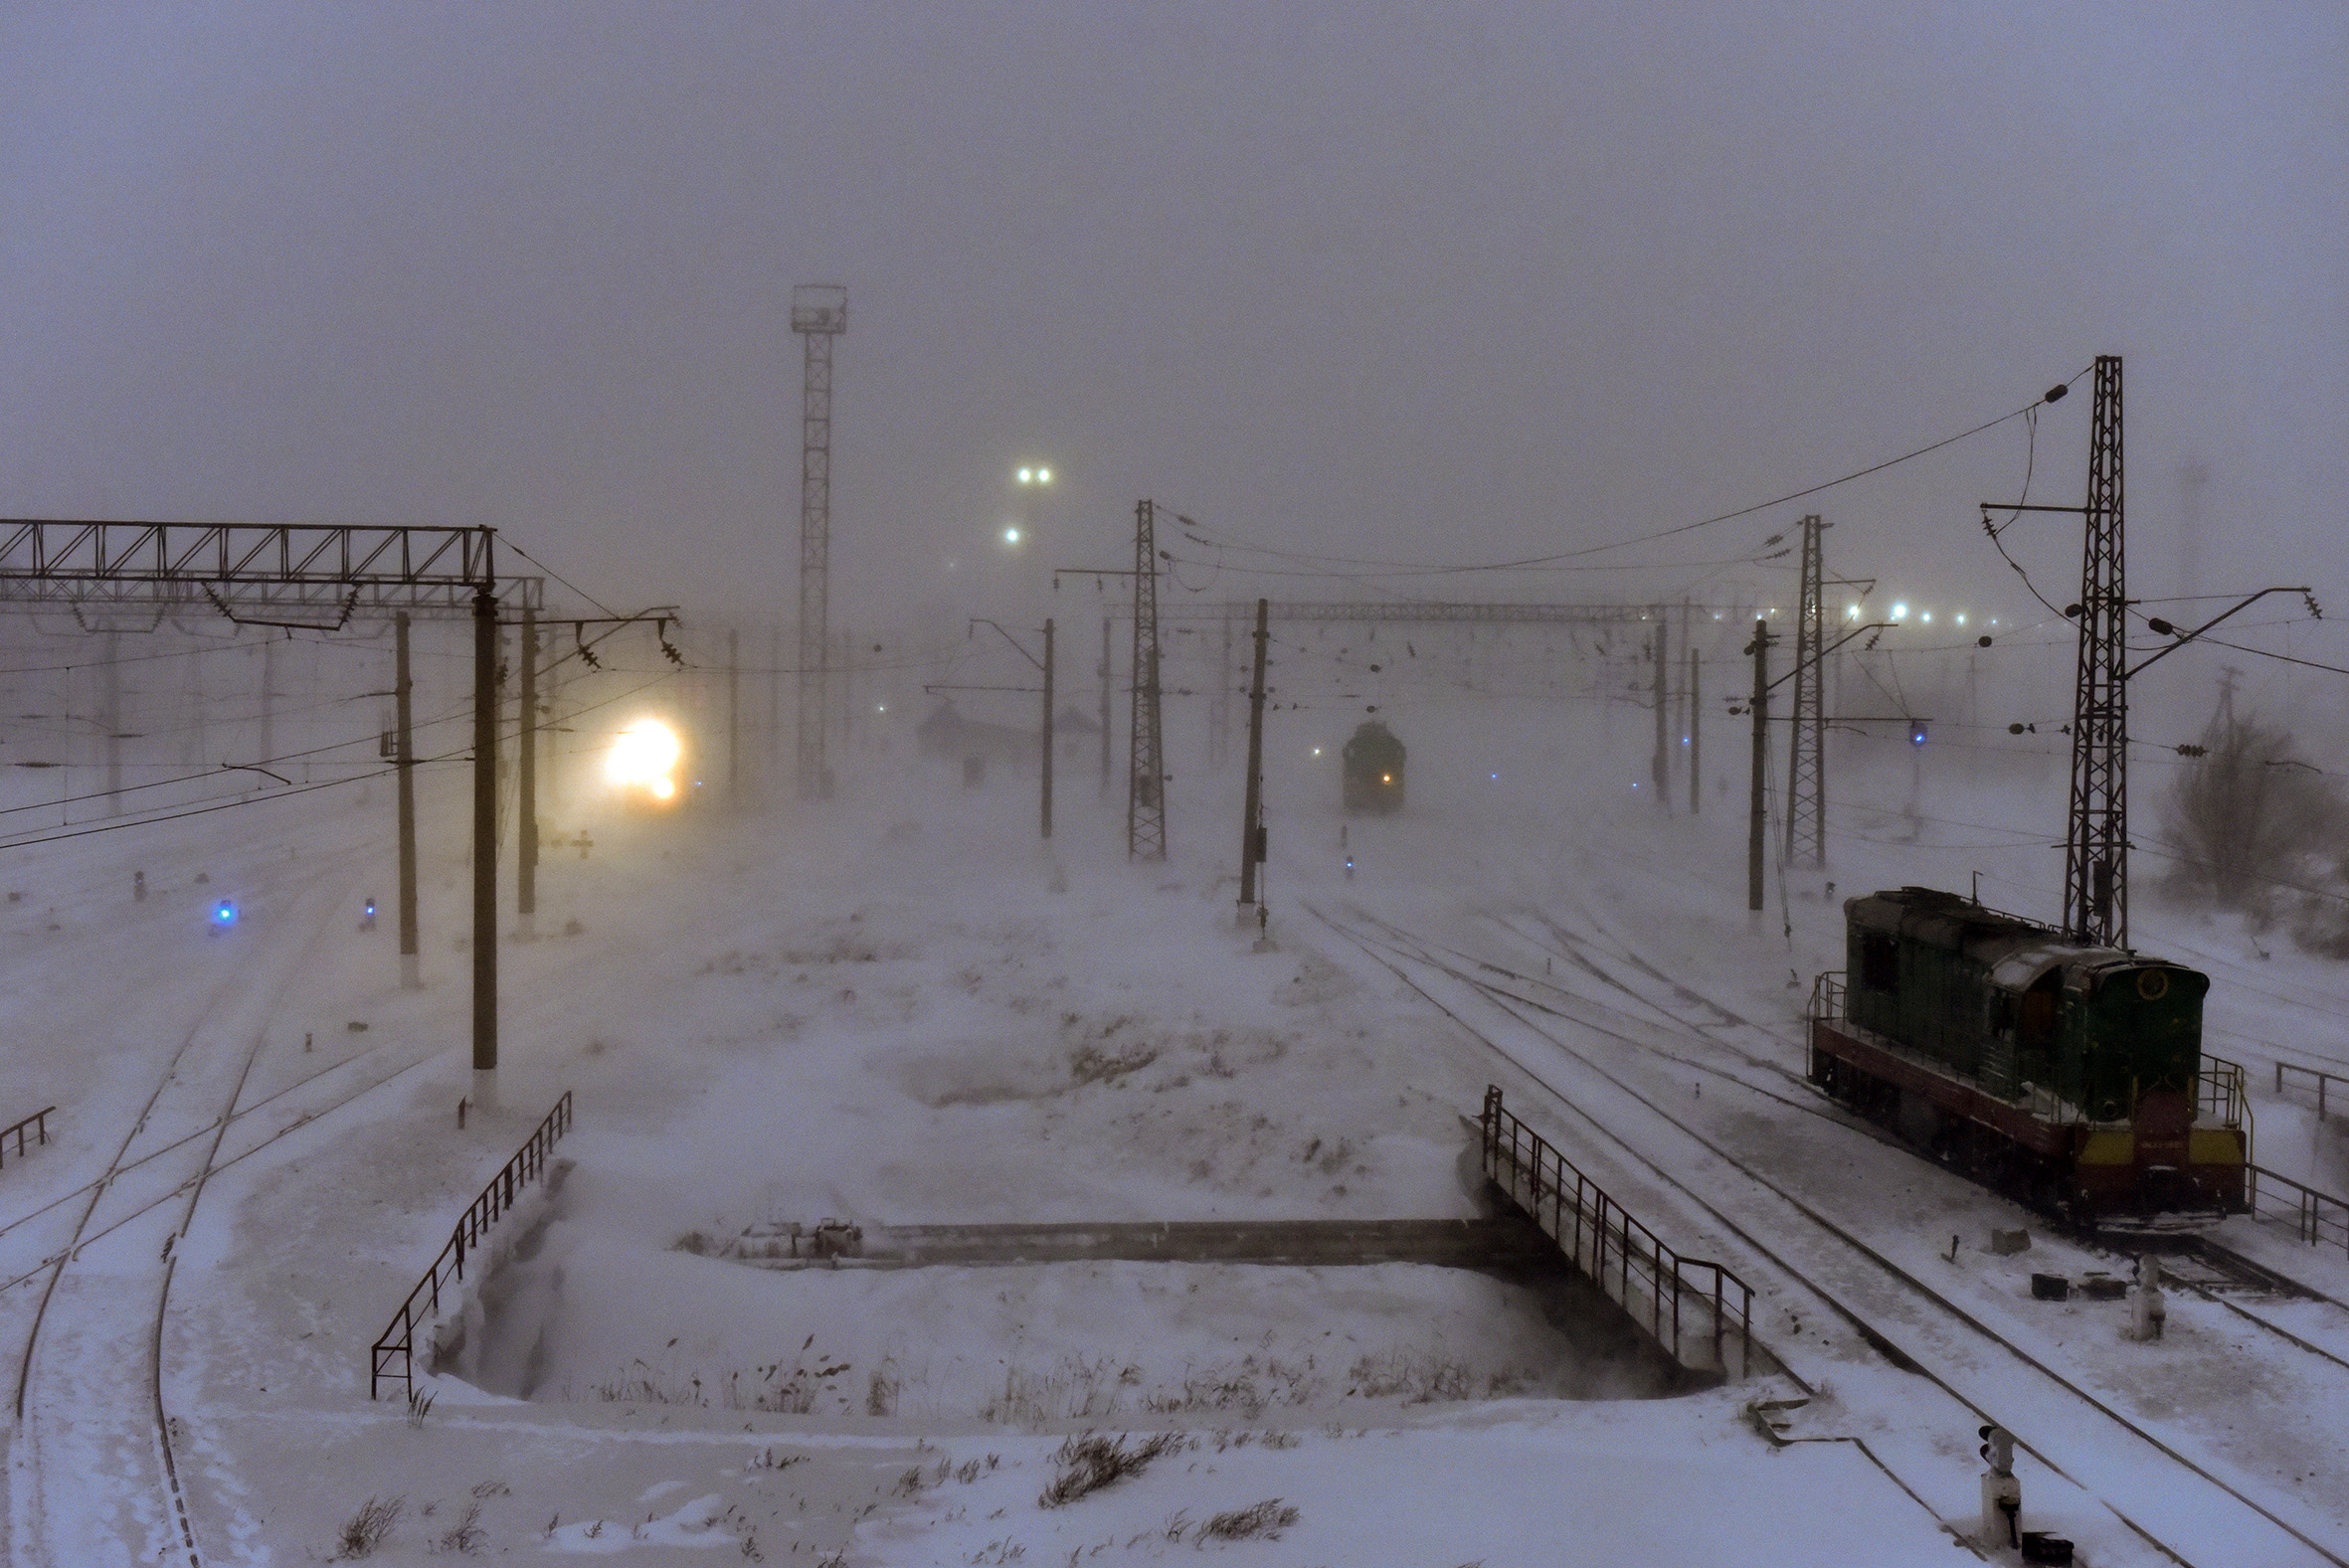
1383 280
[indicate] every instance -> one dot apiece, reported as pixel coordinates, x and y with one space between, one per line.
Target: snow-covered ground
899 1008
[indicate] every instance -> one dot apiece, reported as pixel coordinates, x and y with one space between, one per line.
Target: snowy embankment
901 1011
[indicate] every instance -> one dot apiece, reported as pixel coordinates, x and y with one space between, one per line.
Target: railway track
2196 1261
90 1398
2191 1514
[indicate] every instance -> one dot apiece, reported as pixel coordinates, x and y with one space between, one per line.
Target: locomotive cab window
1879 962
2037 1021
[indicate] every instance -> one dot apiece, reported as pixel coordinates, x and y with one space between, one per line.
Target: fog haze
1371 281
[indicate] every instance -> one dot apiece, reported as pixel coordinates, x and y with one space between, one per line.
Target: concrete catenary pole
526 781
404 708
485 847
1252 816
1047 788
1757 815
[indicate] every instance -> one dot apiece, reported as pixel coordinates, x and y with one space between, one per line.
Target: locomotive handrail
2220 1091
1694 1308
1828 990
398 1343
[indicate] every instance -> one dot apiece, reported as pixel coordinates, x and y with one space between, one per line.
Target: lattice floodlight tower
2096 848
819 313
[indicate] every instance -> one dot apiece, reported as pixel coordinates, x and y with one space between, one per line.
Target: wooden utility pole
269 701
1759 816
114 724
1252 821
404 710
1104 707
485 847
526 781
1046 801
1661 770
1695 737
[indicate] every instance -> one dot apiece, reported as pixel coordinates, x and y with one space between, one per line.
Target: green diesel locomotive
1373 769
2071 1076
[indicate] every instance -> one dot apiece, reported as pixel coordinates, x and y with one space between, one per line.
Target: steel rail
1867 1330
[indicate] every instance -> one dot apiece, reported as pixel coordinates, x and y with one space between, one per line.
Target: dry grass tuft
369 1528
1088 1463
1257 1522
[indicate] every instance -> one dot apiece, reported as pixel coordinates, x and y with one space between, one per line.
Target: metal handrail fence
398 1342
2317 1218
2338 1096
39 1121
1694 1308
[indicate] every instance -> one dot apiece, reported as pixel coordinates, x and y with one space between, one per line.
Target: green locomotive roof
2017 952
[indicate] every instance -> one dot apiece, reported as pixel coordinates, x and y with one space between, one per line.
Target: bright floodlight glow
1027 476
1852 612
1043 477
641 758
1900 612
1010 536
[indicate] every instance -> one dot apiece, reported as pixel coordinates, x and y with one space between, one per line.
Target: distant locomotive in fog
1373 770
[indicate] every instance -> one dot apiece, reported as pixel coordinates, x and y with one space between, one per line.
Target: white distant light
642 757
1852 612
1994 621
1317 750
1928 618
880 707
1043 477
1027 476
1900 612
1961 620
1010 536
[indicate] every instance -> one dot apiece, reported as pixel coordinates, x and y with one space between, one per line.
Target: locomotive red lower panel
2160 1160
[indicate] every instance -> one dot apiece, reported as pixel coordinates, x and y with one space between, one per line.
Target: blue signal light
224 914
1917 731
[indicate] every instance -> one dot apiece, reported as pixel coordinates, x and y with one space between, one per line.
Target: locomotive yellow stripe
2109 1149
2213 1146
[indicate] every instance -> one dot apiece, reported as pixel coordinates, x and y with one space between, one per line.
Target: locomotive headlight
643 757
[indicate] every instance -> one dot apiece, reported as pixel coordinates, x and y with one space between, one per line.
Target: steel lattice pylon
1145 786
819 313
2096 848
1806 768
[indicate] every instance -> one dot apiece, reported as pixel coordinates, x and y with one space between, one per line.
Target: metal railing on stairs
37 1121
2317 1218
2331 1091
1698 1312
393 1357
